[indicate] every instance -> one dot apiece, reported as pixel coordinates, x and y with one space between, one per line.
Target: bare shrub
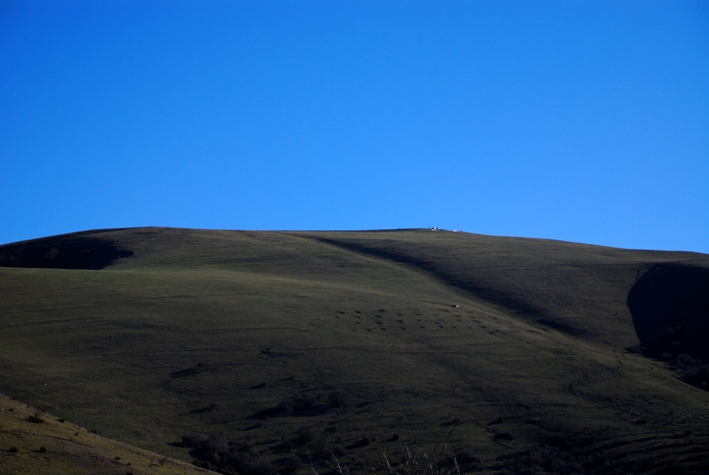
418 462
36 419
439 462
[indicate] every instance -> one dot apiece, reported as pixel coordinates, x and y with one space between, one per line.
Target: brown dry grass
49 447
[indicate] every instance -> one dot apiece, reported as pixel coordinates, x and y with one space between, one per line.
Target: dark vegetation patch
670 309
547 460
692 371
600 453
62 252
311 447
35 419
216 452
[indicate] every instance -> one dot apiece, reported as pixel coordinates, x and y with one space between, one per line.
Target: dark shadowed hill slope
354 342
574 288
670 307
74 251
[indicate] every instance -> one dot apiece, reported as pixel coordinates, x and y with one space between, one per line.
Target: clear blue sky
576 120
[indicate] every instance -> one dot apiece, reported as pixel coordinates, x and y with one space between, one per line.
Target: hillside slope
33 442
515 343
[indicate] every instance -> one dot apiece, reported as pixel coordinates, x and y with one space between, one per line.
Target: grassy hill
357 342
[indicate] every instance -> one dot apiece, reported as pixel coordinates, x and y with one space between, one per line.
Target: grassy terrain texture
267 352
34 442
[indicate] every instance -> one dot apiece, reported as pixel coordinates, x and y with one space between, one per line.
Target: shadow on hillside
450 277
670 309
597 452
66 252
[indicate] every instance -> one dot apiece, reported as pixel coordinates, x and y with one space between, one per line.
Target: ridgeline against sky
579 121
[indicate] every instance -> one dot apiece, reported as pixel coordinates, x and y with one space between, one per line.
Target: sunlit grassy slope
512 342
33 442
